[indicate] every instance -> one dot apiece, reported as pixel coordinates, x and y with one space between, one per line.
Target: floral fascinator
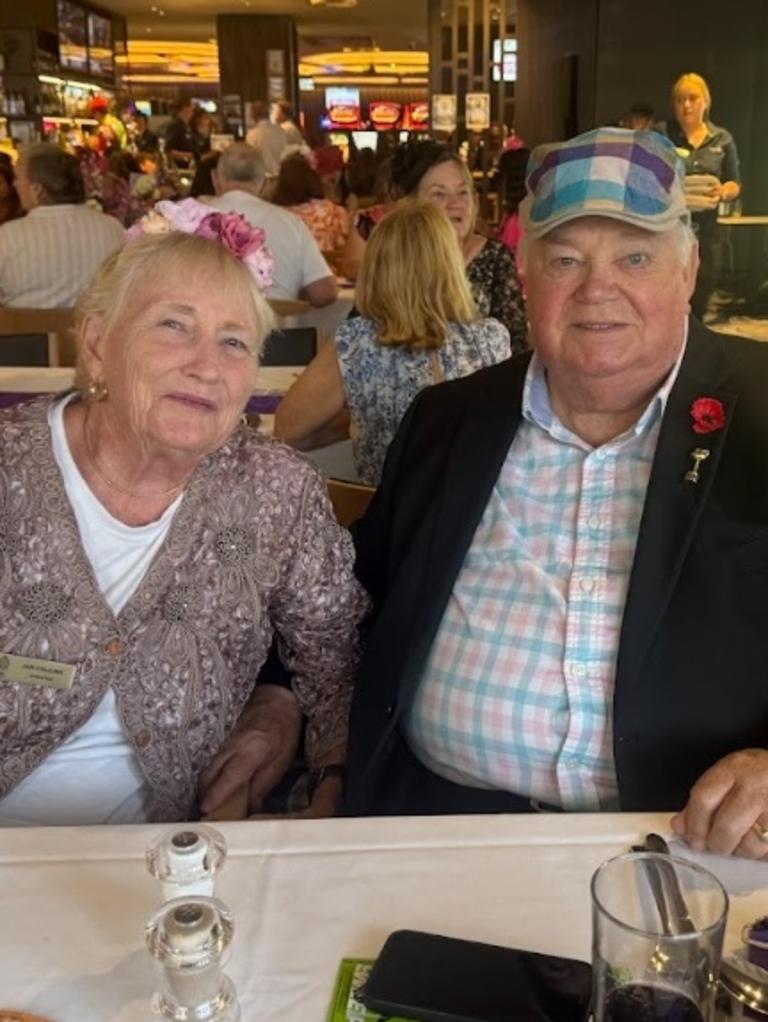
232 230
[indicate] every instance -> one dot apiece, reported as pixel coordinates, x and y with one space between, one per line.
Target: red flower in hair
708 415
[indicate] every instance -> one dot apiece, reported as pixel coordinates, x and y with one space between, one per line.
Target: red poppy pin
708 415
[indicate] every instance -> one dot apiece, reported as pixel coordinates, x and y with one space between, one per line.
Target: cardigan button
390 709
115 647
141 740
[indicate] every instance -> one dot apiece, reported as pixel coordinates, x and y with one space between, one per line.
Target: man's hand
728 807
259 751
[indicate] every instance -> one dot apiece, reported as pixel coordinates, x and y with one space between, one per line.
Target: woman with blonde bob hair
152 546
418 325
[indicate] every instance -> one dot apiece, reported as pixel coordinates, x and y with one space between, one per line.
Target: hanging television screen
73 36
100 55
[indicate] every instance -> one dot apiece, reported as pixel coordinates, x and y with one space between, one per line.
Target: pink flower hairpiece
232 230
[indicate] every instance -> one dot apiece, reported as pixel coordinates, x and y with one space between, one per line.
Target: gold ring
761 831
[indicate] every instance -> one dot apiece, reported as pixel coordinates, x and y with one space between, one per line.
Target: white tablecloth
304 895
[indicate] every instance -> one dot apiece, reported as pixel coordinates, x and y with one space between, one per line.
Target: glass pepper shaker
189 938
186 860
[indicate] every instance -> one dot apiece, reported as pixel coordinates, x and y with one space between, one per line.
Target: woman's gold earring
96 390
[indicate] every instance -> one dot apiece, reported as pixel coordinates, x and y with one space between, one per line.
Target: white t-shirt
271 141
94 776
297 259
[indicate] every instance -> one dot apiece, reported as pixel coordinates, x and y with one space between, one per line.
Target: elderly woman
151 547
418 325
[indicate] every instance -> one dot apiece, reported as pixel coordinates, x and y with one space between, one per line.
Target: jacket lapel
673 505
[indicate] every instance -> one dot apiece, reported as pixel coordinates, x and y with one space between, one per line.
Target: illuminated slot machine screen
416 117
73 36
342 105
101 59
384 116
365 140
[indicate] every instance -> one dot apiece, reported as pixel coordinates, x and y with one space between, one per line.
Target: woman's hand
259 751
727 811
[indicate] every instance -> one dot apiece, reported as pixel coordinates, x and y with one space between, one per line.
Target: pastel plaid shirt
517 693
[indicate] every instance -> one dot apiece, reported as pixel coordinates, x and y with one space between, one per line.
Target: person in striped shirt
49 256
568 552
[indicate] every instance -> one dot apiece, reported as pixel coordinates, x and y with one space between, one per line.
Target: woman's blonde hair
412 281
142 266
695 80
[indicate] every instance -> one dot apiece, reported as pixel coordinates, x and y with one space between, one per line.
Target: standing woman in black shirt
712 172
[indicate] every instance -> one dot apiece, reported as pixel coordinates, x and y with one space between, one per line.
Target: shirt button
587 584
579 670
601 455
573 762
141 740
115 647
594 522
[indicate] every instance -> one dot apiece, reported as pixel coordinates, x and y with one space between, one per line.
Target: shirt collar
537 407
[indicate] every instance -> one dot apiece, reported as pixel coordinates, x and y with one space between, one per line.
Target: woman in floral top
418 326
300 190
432 173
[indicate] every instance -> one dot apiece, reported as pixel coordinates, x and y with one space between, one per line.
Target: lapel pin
698 454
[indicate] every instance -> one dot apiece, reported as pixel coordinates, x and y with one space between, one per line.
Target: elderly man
568 552
48 257
299 268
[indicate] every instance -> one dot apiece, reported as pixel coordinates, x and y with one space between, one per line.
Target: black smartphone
429 978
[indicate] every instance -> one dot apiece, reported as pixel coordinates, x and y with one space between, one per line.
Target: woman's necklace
116 486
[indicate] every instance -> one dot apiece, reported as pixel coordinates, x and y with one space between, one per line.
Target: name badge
22 670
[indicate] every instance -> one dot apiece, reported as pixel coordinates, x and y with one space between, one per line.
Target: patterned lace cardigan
253 549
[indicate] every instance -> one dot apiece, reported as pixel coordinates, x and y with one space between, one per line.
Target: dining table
306 893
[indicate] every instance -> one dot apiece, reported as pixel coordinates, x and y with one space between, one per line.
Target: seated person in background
48 257
151 547
269 139
361 173
299 268
10 203
284 118
568 552
418 325
300 190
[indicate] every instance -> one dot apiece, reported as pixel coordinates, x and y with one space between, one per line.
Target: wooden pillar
256 53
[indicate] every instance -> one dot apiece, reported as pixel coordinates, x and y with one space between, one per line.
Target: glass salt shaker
186 860
189 938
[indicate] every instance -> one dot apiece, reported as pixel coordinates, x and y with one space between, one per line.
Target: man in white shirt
299 269
48 257
268 138
282 114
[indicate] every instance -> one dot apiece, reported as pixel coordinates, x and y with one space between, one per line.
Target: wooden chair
350 500
36 337
285 307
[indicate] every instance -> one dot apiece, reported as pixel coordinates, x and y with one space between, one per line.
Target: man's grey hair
241 163
684 237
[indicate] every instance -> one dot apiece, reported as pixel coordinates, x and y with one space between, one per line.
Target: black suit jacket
692 670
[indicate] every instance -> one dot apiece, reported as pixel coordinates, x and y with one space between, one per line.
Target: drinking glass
651 962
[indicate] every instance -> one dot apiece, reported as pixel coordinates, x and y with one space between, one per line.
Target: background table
304 895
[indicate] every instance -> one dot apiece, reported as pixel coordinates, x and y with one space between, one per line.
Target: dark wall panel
556 72
243 43
641 51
